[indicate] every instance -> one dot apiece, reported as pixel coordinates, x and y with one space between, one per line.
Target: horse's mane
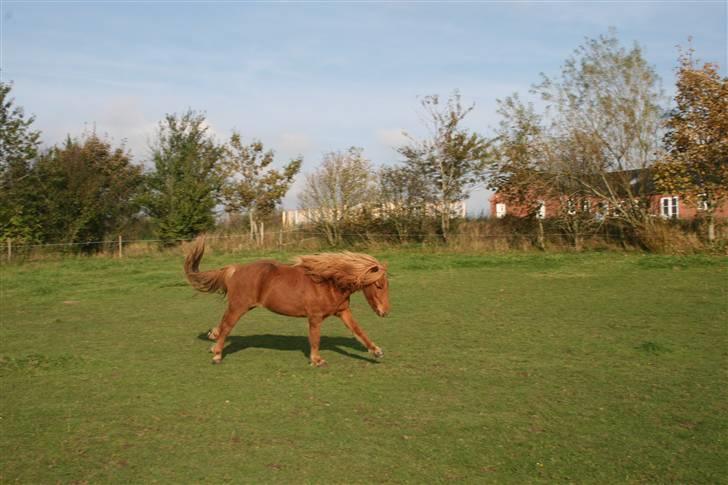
348 271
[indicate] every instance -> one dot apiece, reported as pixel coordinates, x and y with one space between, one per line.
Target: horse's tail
206 281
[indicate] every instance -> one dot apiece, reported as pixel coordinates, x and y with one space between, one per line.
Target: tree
695 165
182 190
338 190
88 190
520 172
19 144
453 159
602 122
251 184
404 196
589 147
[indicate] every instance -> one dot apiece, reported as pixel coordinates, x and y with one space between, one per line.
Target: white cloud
122 118
293 144
392 137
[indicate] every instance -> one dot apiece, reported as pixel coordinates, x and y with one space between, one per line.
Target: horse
313 286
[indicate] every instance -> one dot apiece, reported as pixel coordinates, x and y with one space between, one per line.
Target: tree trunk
541 238
330 232
711 227
445 220
252 225
578 239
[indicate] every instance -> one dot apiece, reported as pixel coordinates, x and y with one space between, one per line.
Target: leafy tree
19 144
182 190
453 159
88 190
338 191
251 184
696 163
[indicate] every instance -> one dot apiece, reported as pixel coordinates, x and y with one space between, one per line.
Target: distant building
665 205
297 217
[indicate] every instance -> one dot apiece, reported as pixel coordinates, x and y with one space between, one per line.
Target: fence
471 236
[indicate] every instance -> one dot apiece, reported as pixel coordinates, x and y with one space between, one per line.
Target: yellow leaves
697 141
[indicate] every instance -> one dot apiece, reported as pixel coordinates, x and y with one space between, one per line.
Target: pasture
585 368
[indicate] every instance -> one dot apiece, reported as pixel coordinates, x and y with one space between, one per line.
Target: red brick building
667 206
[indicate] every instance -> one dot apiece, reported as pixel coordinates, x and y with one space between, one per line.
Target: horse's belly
284 305
289 292
287 311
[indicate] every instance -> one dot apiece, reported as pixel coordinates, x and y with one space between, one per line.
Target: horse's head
377 293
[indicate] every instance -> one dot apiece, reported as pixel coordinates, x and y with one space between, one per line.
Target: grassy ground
592 368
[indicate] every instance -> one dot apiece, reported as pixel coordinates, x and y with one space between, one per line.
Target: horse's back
287 290
281 288
259 274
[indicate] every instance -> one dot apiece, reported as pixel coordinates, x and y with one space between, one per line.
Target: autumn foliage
696 162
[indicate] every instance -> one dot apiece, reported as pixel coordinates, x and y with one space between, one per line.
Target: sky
308 78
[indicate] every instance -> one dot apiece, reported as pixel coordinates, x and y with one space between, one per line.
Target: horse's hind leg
229 319
314 338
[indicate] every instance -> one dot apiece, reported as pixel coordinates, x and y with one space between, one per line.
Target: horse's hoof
217 360
378 353
320 363
211 334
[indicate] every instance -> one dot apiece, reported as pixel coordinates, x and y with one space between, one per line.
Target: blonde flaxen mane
347 270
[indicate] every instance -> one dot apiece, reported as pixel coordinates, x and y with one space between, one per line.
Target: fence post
10 249
120 253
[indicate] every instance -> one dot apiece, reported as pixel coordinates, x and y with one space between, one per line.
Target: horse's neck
339 295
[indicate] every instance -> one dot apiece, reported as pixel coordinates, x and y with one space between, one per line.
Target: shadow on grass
294 343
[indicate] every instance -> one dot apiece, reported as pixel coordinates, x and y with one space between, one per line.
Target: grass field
585 368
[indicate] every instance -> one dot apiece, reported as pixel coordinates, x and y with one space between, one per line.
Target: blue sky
312 77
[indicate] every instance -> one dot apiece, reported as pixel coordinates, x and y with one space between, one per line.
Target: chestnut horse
315 287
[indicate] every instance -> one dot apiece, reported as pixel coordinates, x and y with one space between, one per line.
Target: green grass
585 368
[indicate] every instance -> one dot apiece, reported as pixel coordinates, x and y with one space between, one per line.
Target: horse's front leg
348 319
314 338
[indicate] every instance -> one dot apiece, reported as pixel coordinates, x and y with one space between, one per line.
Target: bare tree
404 197
340 188
520 164
603 122
589 146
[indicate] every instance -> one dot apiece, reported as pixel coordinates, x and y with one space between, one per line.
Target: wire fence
120 247
294 239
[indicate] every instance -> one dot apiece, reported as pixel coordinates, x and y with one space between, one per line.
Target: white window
702 202
570 207
541 211
500 210
602 211
669 207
